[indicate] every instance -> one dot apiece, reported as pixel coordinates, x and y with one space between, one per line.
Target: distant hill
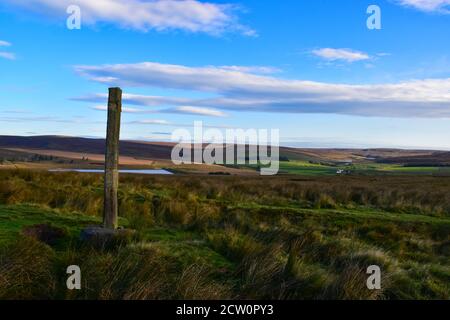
438 158
84 145
162 151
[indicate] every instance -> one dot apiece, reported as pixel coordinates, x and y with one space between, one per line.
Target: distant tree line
33 158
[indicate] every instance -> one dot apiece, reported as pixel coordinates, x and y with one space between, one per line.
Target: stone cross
110 215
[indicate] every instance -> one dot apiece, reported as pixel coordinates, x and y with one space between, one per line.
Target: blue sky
311 68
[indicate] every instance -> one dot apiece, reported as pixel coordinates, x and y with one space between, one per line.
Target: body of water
138 171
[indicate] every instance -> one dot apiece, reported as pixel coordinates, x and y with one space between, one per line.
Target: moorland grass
203 237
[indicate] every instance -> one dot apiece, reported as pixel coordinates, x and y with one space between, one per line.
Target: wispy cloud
35 119
252 69
5 54
133 99
153 121
124 109
198 111
158 122
241 91
161 133
440 6
347 55
4 43
191 110
144 15
16 111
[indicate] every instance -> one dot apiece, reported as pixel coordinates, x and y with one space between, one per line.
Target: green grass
227 237
311 169
183 248
359 213
186 246
306 168
13 219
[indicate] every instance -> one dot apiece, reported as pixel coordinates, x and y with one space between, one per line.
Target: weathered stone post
110 215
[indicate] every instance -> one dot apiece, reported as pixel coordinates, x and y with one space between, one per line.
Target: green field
229 237
313 169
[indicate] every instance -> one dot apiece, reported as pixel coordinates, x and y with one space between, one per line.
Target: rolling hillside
138 151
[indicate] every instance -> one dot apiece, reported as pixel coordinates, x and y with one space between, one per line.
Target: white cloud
347 55
153 122
16 111
192 110
441 6
383 54
189 15
124 109
7 55
201 111
242 91
171 124
36 119
252 69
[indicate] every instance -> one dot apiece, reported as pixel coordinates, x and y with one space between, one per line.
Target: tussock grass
26 270
230 237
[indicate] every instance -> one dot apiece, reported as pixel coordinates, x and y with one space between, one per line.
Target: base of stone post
102 237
